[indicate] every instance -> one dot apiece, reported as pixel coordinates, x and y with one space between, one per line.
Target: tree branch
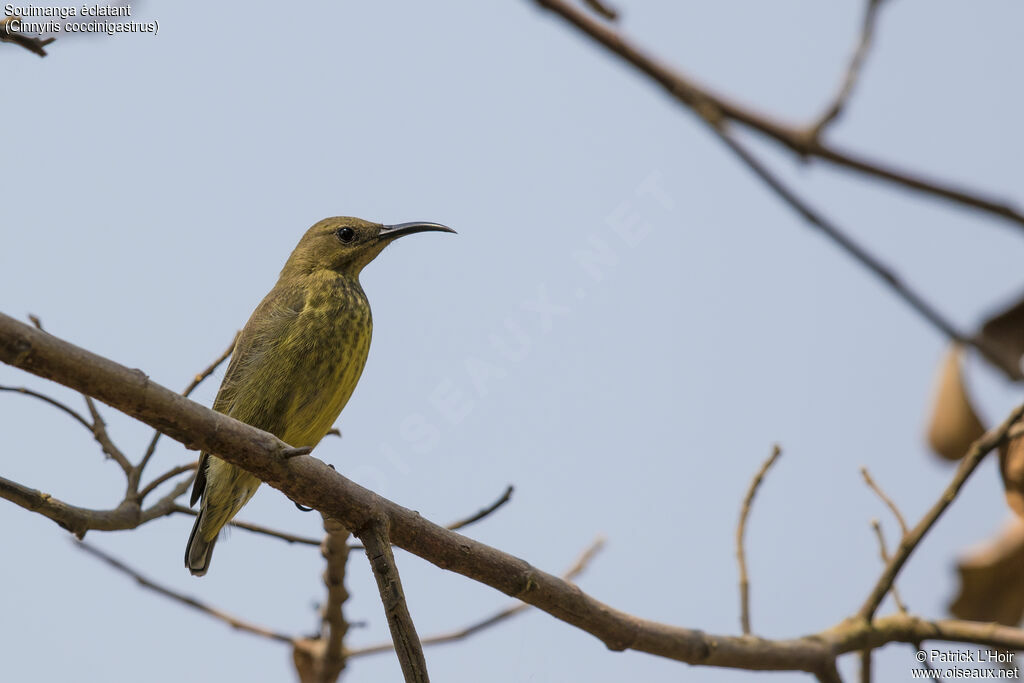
30 43
904 530
853 69
196 381
883 552
169 474
741 529
504 615
795 138
127 515
256 528
472 519
403 632
873 265
312 483
232 621
53 402
982 447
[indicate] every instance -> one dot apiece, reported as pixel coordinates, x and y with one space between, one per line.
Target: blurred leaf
1011 466
1003 334
992 580
954 425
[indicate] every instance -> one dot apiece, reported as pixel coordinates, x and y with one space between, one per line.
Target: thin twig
505 497
466 631
99 432
196 381
403 632
97 427
853 69
257 529
900 519
741 530
169 474
977 452
883 552
232 621
53 402
795 138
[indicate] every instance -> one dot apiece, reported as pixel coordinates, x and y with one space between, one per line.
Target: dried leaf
992 580
1003 334
954 424
1011 466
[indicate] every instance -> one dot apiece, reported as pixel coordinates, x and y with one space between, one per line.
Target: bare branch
865 666
860 254
334 626
472 519
795 138
311 482
322 658
196 381
853 69
53 402
504 498
257 529
169 474
99 432
741 530
127 515
403 632
883 552
904 530
232 621
30 43
504 615
992 440
97 427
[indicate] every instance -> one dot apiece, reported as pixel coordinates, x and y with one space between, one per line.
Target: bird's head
345 244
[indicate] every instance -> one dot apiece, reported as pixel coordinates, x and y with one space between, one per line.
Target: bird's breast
330 341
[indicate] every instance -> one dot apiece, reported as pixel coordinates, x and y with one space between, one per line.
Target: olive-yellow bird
296 362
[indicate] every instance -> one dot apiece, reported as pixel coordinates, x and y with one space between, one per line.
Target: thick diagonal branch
311 482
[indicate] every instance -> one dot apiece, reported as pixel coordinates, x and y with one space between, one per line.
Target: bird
296 362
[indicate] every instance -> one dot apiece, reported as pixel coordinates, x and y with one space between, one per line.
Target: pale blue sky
153 187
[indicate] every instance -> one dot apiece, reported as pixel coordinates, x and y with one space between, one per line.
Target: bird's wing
278 308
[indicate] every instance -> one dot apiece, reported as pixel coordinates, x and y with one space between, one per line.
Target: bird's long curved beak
390 232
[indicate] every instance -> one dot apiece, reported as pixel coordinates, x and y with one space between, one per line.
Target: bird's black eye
346 235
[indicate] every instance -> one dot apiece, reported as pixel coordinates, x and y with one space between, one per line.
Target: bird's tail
198 551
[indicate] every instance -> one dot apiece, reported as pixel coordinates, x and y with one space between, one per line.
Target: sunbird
296 362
